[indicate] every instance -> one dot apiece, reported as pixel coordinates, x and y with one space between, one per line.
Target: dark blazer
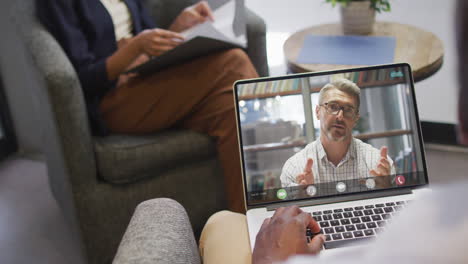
85 31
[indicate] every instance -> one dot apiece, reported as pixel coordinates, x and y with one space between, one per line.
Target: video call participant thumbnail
336 155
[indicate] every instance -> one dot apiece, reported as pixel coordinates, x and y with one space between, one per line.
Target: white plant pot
357 18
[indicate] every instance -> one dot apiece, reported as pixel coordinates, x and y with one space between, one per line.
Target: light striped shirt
121 18
357 163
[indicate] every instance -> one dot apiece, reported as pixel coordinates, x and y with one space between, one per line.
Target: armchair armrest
256 38
159 232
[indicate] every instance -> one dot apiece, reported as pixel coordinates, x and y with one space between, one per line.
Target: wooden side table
421 49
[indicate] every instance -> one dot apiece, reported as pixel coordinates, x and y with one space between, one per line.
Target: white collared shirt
357 163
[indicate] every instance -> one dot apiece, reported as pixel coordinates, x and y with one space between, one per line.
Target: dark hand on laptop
307 177
283 235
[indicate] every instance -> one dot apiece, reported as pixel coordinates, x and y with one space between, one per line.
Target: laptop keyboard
352 224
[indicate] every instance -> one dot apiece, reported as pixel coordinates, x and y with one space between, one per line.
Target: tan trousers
196 95
225 239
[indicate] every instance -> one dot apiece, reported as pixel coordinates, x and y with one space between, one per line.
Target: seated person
336 155
104 38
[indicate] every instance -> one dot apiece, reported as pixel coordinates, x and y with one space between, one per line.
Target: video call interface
318 135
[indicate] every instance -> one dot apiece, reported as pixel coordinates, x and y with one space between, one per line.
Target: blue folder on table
347 50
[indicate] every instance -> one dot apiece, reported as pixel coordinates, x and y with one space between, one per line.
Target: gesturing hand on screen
383 167
306 177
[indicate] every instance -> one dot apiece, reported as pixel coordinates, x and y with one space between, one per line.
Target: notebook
283 122
227 31
347 50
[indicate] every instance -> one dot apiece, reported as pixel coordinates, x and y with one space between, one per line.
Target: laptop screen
324 134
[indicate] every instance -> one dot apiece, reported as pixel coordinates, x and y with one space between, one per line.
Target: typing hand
306 177
383 167
191 16
283 235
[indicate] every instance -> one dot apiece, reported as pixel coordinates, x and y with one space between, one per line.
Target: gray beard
335 139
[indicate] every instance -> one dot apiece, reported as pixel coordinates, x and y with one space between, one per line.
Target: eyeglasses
334 109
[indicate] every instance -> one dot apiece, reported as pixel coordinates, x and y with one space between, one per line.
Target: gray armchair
97 181
159 232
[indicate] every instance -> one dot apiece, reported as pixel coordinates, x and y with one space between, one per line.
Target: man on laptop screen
336 155
327 134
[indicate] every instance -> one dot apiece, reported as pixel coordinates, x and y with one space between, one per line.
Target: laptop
279 122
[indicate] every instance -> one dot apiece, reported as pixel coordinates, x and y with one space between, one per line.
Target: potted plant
358 16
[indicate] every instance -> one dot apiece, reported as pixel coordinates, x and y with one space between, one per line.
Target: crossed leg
195 95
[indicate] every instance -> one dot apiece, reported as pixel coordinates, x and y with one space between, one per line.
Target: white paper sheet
222 24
